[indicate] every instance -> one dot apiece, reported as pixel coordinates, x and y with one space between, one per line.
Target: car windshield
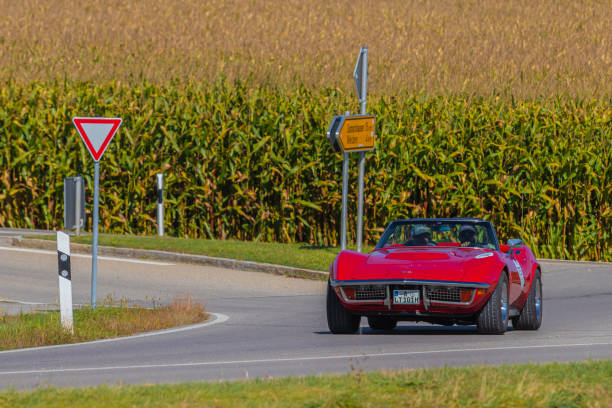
439 233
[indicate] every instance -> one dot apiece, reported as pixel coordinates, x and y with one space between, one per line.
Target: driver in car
421 237
467 236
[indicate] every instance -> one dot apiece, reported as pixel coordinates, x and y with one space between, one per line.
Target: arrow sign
97 133
360 75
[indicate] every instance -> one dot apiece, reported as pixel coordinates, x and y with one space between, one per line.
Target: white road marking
104 258
293 359
26 303
23 302
219 318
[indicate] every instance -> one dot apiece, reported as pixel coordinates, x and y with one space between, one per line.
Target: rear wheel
340 320
531 315
381 323
493 318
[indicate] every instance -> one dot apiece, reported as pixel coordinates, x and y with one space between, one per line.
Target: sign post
361 82
345 176
351 133
96 134
354 133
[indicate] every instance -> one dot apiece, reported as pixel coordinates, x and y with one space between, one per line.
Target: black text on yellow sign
357 133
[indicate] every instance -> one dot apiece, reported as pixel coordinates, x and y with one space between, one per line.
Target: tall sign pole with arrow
354 133
96 134
361 83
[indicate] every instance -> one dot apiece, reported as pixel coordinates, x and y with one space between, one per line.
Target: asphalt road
276 326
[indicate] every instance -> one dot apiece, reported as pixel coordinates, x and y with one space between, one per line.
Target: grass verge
296 255
581 384
106 321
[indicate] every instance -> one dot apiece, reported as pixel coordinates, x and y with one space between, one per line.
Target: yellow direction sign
354 133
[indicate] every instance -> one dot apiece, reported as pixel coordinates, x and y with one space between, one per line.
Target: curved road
277 326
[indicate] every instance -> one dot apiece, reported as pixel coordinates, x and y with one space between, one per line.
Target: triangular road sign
97 133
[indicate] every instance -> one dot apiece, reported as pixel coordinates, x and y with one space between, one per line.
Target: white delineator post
65 280
160 204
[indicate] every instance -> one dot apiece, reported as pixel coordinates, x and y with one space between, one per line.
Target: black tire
531 314
493 318
381 323
340 320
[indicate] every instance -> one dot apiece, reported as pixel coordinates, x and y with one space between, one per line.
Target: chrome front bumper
432 291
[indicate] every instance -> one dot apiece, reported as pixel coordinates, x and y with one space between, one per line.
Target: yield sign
97 133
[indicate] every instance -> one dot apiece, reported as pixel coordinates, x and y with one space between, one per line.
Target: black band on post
63 265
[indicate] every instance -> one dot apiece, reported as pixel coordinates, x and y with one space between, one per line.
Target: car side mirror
515 243
504 248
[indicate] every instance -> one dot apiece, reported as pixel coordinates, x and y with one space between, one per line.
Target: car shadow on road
418 331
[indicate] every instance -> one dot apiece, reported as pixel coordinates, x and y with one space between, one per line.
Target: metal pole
77 205
160 204
94 247
345 175
360 201
363 100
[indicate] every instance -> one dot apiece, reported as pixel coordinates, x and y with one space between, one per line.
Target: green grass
583 384
107 320
296 255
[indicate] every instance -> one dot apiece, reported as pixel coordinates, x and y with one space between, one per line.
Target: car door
517 281
524 266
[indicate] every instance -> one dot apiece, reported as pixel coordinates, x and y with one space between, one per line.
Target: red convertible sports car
439 270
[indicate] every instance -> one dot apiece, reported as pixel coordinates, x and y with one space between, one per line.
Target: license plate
406 297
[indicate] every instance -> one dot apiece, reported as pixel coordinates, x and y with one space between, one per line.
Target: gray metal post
94 246
345 176
77 205
363 100
360 201
160 204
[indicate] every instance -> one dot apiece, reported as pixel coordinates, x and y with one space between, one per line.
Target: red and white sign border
78 123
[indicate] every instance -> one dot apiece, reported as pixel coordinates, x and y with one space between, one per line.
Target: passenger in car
467 236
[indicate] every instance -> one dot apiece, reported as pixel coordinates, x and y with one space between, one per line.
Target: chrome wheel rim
538 299
504 302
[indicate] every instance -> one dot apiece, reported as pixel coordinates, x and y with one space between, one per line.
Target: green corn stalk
252 163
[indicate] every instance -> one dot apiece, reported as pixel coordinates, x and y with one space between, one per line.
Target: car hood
446 264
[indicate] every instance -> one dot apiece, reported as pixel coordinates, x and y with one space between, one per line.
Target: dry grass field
524 48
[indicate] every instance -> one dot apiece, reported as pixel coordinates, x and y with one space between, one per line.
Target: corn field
252 163
520 48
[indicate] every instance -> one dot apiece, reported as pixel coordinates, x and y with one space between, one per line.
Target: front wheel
531 314
340 320
493 318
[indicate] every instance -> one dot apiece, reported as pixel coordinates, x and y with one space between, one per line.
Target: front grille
370 292
443 294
